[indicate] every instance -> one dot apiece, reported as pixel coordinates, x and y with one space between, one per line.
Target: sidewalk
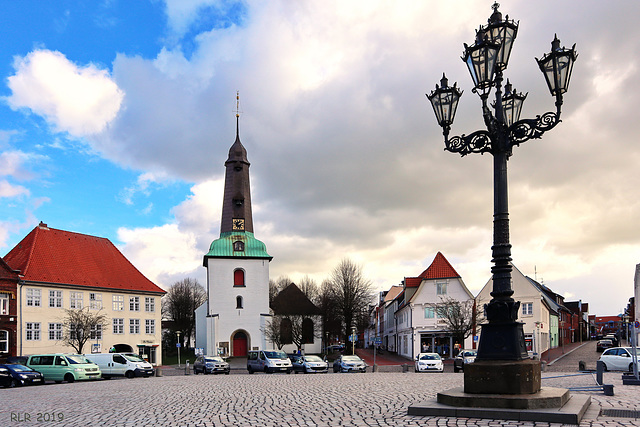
554 354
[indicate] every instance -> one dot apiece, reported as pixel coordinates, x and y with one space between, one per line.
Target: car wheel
226 373
129 374
205 372
630 367
14 383
250 370
456 369
605 367
69 378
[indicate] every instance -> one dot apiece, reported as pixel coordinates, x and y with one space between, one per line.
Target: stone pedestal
502 377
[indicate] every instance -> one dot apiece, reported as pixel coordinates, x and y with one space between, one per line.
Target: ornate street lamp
502 337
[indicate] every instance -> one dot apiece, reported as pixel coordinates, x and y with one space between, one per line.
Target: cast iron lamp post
502 338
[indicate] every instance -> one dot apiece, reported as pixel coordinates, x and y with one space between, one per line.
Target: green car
64 367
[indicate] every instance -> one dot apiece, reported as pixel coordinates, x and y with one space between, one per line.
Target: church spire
236 205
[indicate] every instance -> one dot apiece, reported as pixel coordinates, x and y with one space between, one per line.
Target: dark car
17 360
23 375
5 377
464 357
602 345
211 365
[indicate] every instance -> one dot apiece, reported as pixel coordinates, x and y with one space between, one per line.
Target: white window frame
55 331
134 326
134 303
441 288
4 341
150 326
55 299
33 297
149 304
95 300
96 332
118 302
76 299
429 313
118 326
527 309
32 331
5 297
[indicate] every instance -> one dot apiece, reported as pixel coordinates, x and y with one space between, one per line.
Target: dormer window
238 246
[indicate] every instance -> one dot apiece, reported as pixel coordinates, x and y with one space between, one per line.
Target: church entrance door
240 344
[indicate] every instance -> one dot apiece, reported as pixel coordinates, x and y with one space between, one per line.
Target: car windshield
275 355
430 357
213 359
351 359
312 359
133 357
76 359
20 368
469 354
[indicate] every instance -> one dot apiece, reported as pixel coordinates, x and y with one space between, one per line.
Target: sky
116 118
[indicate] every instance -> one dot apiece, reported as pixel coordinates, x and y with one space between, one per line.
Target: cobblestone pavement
371 399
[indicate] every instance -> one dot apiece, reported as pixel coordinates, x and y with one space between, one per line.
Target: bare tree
352 292
275 286
309 287
273 331
459 317
81 325
179 305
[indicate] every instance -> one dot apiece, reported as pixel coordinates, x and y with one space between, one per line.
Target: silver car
309 364
349 364
211 365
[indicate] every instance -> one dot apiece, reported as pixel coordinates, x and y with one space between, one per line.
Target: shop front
438 342
147 350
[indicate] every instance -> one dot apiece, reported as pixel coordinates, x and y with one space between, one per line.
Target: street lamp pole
502 338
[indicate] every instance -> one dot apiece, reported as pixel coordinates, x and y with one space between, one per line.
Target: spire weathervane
238 111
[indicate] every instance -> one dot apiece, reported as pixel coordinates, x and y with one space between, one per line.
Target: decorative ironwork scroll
478 142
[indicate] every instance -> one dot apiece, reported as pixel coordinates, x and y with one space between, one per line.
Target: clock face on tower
238 224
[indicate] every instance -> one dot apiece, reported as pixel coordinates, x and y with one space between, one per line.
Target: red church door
240 344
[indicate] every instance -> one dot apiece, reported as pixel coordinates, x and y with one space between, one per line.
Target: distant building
293 307
234 317
8 310
64 270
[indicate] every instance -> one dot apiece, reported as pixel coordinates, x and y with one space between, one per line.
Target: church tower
237 268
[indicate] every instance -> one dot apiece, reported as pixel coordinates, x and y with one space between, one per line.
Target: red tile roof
57 256
439 269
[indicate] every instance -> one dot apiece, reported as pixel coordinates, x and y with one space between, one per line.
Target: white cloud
10 190
74 99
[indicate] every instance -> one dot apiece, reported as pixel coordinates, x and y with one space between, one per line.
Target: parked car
22 375
5 377
268 361
603 345
618 358
426 362
64 367
308 364
464 357
128 365
613 338
349 364
17 360
211 365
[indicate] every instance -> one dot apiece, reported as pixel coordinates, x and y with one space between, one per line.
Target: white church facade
233 319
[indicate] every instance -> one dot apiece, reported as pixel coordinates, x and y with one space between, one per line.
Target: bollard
599 372
158 372
582 366
608 389
405 367
375 368
186 368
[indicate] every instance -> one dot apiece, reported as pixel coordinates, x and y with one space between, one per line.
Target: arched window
307 331
286 333
239 302
238 277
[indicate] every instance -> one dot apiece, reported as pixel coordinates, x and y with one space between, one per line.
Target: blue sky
116 118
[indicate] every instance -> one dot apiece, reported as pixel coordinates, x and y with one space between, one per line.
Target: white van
268 361
121 364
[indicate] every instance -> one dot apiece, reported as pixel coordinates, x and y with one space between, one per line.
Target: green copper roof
224 246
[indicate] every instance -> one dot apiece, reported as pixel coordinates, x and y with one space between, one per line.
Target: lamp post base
502 377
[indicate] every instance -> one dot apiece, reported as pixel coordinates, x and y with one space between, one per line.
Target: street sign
178 345
377 340
637 324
